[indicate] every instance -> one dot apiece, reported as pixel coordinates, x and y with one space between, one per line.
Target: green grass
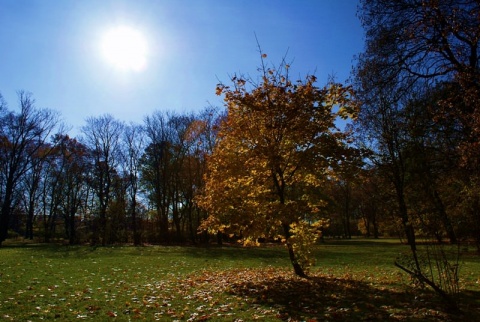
353 280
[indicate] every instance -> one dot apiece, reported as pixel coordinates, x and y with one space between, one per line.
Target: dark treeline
115 183
417 85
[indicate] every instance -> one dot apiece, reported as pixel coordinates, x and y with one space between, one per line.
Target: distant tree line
115 183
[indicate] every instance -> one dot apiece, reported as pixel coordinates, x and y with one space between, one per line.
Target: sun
125 48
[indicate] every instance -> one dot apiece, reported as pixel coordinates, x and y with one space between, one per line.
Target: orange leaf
112 314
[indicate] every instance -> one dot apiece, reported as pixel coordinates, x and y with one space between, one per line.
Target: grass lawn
354 280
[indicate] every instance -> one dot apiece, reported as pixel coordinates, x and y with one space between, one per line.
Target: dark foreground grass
353 281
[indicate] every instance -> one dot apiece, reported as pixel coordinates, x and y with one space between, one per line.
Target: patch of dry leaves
277 294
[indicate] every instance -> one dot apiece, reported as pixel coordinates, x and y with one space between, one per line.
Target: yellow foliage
274 151
303 237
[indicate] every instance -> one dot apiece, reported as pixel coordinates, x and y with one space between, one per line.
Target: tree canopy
276 148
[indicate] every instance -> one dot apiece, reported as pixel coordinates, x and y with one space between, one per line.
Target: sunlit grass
47 282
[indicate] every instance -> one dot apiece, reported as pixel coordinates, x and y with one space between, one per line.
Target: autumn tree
277 145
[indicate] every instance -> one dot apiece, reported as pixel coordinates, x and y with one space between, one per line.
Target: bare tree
156 171
414 49
22 135
133 146
102 136
68 180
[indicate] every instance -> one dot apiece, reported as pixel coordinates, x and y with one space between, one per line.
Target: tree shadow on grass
362 242
326 298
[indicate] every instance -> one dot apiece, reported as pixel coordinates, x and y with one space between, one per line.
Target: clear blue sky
51 48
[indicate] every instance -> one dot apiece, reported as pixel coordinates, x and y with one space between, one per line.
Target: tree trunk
219 238
103 226
6 211
447 224
476 222
296 267
192 233
72 237
366 223
346 218
29 223
375 226
176 222
403 212
4 221
136 235
163 224
408 227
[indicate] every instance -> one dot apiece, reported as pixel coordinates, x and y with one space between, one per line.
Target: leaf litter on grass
277 294
177 287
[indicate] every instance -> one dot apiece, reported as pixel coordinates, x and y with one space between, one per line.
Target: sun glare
125 48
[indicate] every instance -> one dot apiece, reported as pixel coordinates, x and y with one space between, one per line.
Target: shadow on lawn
336 299
361 242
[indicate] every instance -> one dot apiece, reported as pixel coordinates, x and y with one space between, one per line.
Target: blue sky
51 49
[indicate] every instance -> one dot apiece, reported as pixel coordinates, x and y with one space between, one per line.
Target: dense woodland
275 158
